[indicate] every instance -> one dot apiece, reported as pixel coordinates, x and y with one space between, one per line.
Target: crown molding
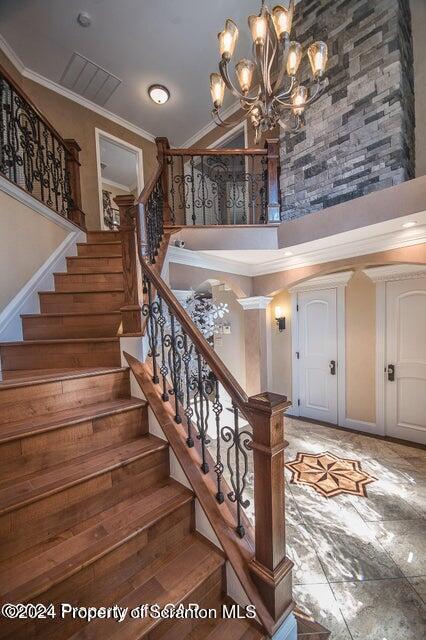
67 93
204 261
331 281
255 302
118 185
229 111
395 272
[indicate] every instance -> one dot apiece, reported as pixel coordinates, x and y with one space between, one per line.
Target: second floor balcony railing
220 186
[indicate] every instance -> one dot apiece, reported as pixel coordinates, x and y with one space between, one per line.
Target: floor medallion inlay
330 475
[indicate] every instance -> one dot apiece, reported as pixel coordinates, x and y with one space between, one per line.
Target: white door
405 385
317 317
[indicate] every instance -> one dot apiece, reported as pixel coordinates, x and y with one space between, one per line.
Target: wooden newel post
162 146
72 165
270 568
131 309
273 188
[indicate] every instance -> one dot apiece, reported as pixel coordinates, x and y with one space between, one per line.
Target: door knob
332 366
391 372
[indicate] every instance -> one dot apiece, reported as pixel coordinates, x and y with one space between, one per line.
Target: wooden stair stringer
238 551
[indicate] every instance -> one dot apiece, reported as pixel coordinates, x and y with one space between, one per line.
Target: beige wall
281 347
27 239
74 121
418 19
360 348
230 347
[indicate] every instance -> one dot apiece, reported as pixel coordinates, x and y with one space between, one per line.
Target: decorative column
257 335
131 309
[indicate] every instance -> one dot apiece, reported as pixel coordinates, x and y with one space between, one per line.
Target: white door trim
336 281
381 275
99 133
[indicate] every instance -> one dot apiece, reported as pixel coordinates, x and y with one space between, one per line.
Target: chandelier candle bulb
294 58
258 28
217 89
228 39
298 100
283 19
318 56
244 70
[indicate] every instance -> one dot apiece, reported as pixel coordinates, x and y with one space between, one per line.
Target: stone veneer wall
359 136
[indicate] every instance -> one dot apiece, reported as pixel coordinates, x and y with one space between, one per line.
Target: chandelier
269 92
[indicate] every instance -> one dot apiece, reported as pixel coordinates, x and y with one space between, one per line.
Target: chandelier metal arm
287 92
319 90
223 68
230 123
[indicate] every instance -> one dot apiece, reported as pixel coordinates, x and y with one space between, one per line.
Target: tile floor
360 563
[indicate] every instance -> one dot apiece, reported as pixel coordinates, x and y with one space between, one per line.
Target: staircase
89 514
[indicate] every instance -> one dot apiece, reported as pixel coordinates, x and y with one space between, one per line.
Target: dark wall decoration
360 136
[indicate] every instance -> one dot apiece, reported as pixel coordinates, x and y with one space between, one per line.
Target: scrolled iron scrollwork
31 154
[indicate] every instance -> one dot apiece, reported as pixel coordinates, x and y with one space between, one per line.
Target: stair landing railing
244 435
35 157
220 186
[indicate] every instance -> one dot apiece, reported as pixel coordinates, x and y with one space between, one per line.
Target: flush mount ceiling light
158 93
269 91
410 223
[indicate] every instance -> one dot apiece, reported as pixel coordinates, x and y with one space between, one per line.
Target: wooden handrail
149 187
222 373
194 151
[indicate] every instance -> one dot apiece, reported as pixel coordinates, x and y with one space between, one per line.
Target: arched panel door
405 386
318 354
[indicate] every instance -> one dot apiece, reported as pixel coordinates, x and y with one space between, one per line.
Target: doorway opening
120 172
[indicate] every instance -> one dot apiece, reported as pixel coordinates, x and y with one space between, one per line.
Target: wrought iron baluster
199 400
163 367
189 412
203 187
194 216
151 325
217 410
175 368
239 443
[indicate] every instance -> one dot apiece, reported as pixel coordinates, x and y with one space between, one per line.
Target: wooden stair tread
171 579
47 422
78 547
25 343
71 314
52 480
89 244
73 293
26 377
220 629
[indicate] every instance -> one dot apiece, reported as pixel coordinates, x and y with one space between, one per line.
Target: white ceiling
121 164
171 42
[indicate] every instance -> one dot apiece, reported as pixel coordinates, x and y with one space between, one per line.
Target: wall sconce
280 318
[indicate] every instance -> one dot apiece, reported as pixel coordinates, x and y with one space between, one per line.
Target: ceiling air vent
89 80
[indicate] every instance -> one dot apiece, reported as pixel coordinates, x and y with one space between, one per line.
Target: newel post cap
268 402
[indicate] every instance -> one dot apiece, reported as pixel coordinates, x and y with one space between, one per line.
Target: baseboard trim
362 425
26 300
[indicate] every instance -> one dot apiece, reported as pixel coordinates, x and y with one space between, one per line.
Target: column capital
255 302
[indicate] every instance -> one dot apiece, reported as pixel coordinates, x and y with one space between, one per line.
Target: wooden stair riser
38 521
96 237
28 455
81 301
99 250
44 327
27 355
88 281
94 265
116 568
28 401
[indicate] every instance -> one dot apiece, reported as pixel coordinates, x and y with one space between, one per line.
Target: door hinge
297 355
297 307
298 402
